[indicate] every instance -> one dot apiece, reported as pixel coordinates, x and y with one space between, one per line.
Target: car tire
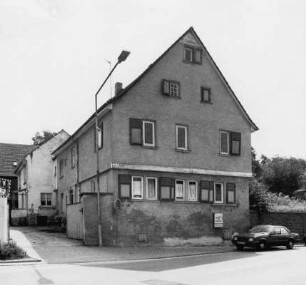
262 245
240 247
290 244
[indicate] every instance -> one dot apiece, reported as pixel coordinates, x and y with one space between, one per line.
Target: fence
75 228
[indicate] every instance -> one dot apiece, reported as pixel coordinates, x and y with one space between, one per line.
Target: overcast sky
54 53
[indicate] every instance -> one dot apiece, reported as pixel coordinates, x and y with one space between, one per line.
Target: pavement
45 245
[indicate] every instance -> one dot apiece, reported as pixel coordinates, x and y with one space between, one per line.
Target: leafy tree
256 167
39 139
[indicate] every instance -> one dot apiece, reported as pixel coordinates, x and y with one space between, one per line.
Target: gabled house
174 153
36 174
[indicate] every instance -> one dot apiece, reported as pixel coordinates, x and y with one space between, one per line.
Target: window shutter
235 143
135 131
166 188
204 185
211 191
230 192
124 185
198 56
166 87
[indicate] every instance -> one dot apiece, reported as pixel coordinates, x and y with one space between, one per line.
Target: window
230 143
166 188
93 186
192 55
192 191
71 196
218 193
181 137
137 187
61 168
179 190
205 95
207 191
73 157
124 185
171 88
142 132
151 188
148 133
45 199
230 193
284 231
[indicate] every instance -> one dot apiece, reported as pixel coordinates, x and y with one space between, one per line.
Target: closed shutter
166 188
124 185
197 56
204 191
230 193
135 131
165 87
235 143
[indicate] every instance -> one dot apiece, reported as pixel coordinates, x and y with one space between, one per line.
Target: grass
11 250
201 241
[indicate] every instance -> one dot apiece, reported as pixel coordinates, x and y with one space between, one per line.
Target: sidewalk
53 247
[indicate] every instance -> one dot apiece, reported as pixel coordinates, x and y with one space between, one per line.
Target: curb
19 261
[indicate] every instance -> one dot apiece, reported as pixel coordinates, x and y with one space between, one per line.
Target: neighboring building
174 153
36 197
10 156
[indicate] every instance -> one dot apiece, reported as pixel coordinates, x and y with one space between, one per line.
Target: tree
39 139
256 167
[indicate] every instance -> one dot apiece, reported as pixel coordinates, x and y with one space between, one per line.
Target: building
36 174
10 156
174 153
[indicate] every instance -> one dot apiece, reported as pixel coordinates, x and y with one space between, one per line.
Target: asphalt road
278 266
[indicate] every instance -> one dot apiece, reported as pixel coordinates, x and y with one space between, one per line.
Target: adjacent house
174 153
36 183
10 156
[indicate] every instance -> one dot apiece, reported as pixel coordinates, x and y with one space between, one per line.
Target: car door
275 236
285 235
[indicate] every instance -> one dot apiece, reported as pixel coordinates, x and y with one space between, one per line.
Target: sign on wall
218 220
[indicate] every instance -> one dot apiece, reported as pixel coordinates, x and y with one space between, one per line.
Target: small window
71 196
224 142
181 137
73 157
230 193
192 191
192 55
207 191
61 168
148 133
93 186
166 188
179 190
235 143
137 187
218 193
205 95
171 88
124 181
45 199
151 188
135 131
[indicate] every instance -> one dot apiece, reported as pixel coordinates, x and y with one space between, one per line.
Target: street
276 266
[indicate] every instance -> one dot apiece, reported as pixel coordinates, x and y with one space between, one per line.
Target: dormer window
171 88
192 55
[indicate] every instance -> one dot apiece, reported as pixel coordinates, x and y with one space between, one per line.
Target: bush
10 250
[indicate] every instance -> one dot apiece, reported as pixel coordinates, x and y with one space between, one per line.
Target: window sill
182 150
46 207
207 102
192 62
150 147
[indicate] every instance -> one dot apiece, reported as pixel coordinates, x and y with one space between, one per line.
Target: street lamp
122 57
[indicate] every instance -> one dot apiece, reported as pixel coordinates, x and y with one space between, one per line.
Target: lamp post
122 57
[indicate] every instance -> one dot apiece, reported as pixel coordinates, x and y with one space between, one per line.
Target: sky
54 55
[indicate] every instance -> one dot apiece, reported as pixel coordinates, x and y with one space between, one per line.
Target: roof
10 153
126 89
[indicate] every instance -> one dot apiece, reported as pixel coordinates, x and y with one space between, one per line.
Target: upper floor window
61 168
171 88
230 143
181 137
73 156
142 132
137 187
192 55
205 95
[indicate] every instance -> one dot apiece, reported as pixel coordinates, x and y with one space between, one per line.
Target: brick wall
295 222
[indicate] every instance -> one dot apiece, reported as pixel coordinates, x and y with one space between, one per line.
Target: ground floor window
137 187
192 191
218 194
45 199
179 190
151 188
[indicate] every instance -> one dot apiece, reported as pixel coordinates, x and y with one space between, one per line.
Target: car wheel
262 245
239 247
290 244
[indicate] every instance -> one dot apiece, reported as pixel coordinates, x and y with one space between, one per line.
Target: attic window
171 88
192 55
205 95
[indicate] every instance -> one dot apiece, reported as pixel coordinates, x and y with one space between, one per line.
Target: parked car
264 236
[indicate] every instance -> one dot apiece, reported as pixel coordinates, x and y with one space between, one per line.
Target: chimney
118 88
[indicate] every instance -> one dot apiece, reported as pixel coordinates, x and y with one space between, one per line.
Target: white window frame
174 89
188 191
176 197
186 136
137 198
45 194
222 193
143 132
228 142
147 188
